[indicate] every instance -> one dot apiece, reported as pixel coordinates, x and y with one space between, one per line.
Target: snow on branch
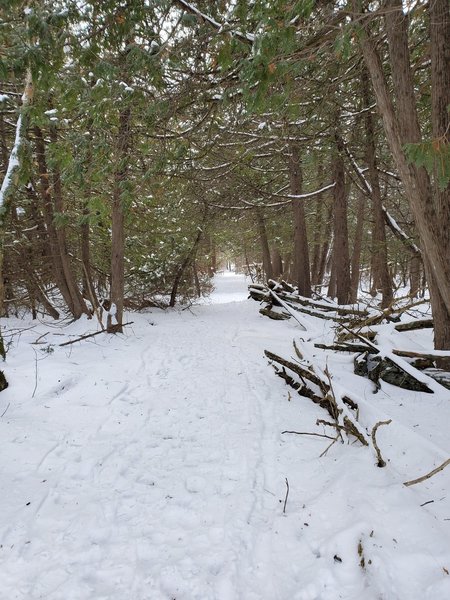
390 221
247 38
398 231
13 163
309 194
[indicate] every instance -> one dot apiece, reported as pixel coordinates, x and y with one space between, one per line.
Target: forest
140 140
163 165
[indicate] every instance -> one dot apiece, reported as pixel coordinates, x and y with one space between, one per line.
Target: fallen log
433 355
343 347
302 372
324 396
350 335
276 316
257 294
442 377
417 324
391 372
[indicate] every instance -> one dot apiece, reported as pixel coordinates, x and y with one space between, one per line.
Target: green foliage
434 156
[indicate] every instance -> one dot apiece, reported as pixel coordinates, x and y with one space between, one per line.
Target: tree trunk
85 231
325 249
266 259
381 276
431 220
414 276
12 166
277 263
318 236
357 248
56 242
302 274
78 304
341 260
115 315
185 264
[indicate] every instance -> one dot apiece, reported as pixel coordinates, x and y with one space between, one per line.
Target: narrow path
152 466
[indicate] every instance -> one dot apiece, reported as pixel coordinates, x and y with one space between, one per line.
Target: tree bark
414 276
381 276
302 273
325 248
266 259
77 302
357 248
186 263
115 315
56 241
401 128
277 263
341 260
12 165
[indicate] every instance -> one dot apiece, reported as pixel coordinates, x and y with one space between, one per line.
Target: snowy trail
152 467
151 485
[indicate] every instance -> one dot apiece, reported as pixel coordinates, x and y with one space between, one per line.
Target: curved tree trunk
429 206
63 275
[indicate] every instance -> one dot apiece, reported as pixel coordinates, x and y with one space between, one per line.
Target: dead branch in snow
381 462
89 335
321 393
416 324
428 475
322 435
287 495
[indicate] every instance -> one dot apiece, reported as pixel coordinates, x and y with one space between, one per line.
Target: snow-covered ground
152 466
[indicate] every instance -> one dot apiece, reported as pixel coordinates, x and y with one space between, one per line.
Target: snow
152 466
13 163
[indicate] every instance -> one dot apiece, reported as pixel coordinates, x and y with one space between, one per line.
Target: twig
89 335
287 494
35 373
92 297
329 446
428 475
4 412
40 338
381 462
310 433
428 502
329 423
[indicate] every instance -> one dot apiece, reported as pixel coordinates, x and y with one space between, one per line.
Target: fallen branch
310 433
428 475
430 355
380 462
287 495
89 335
276 316
343 347
417 324
287 308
